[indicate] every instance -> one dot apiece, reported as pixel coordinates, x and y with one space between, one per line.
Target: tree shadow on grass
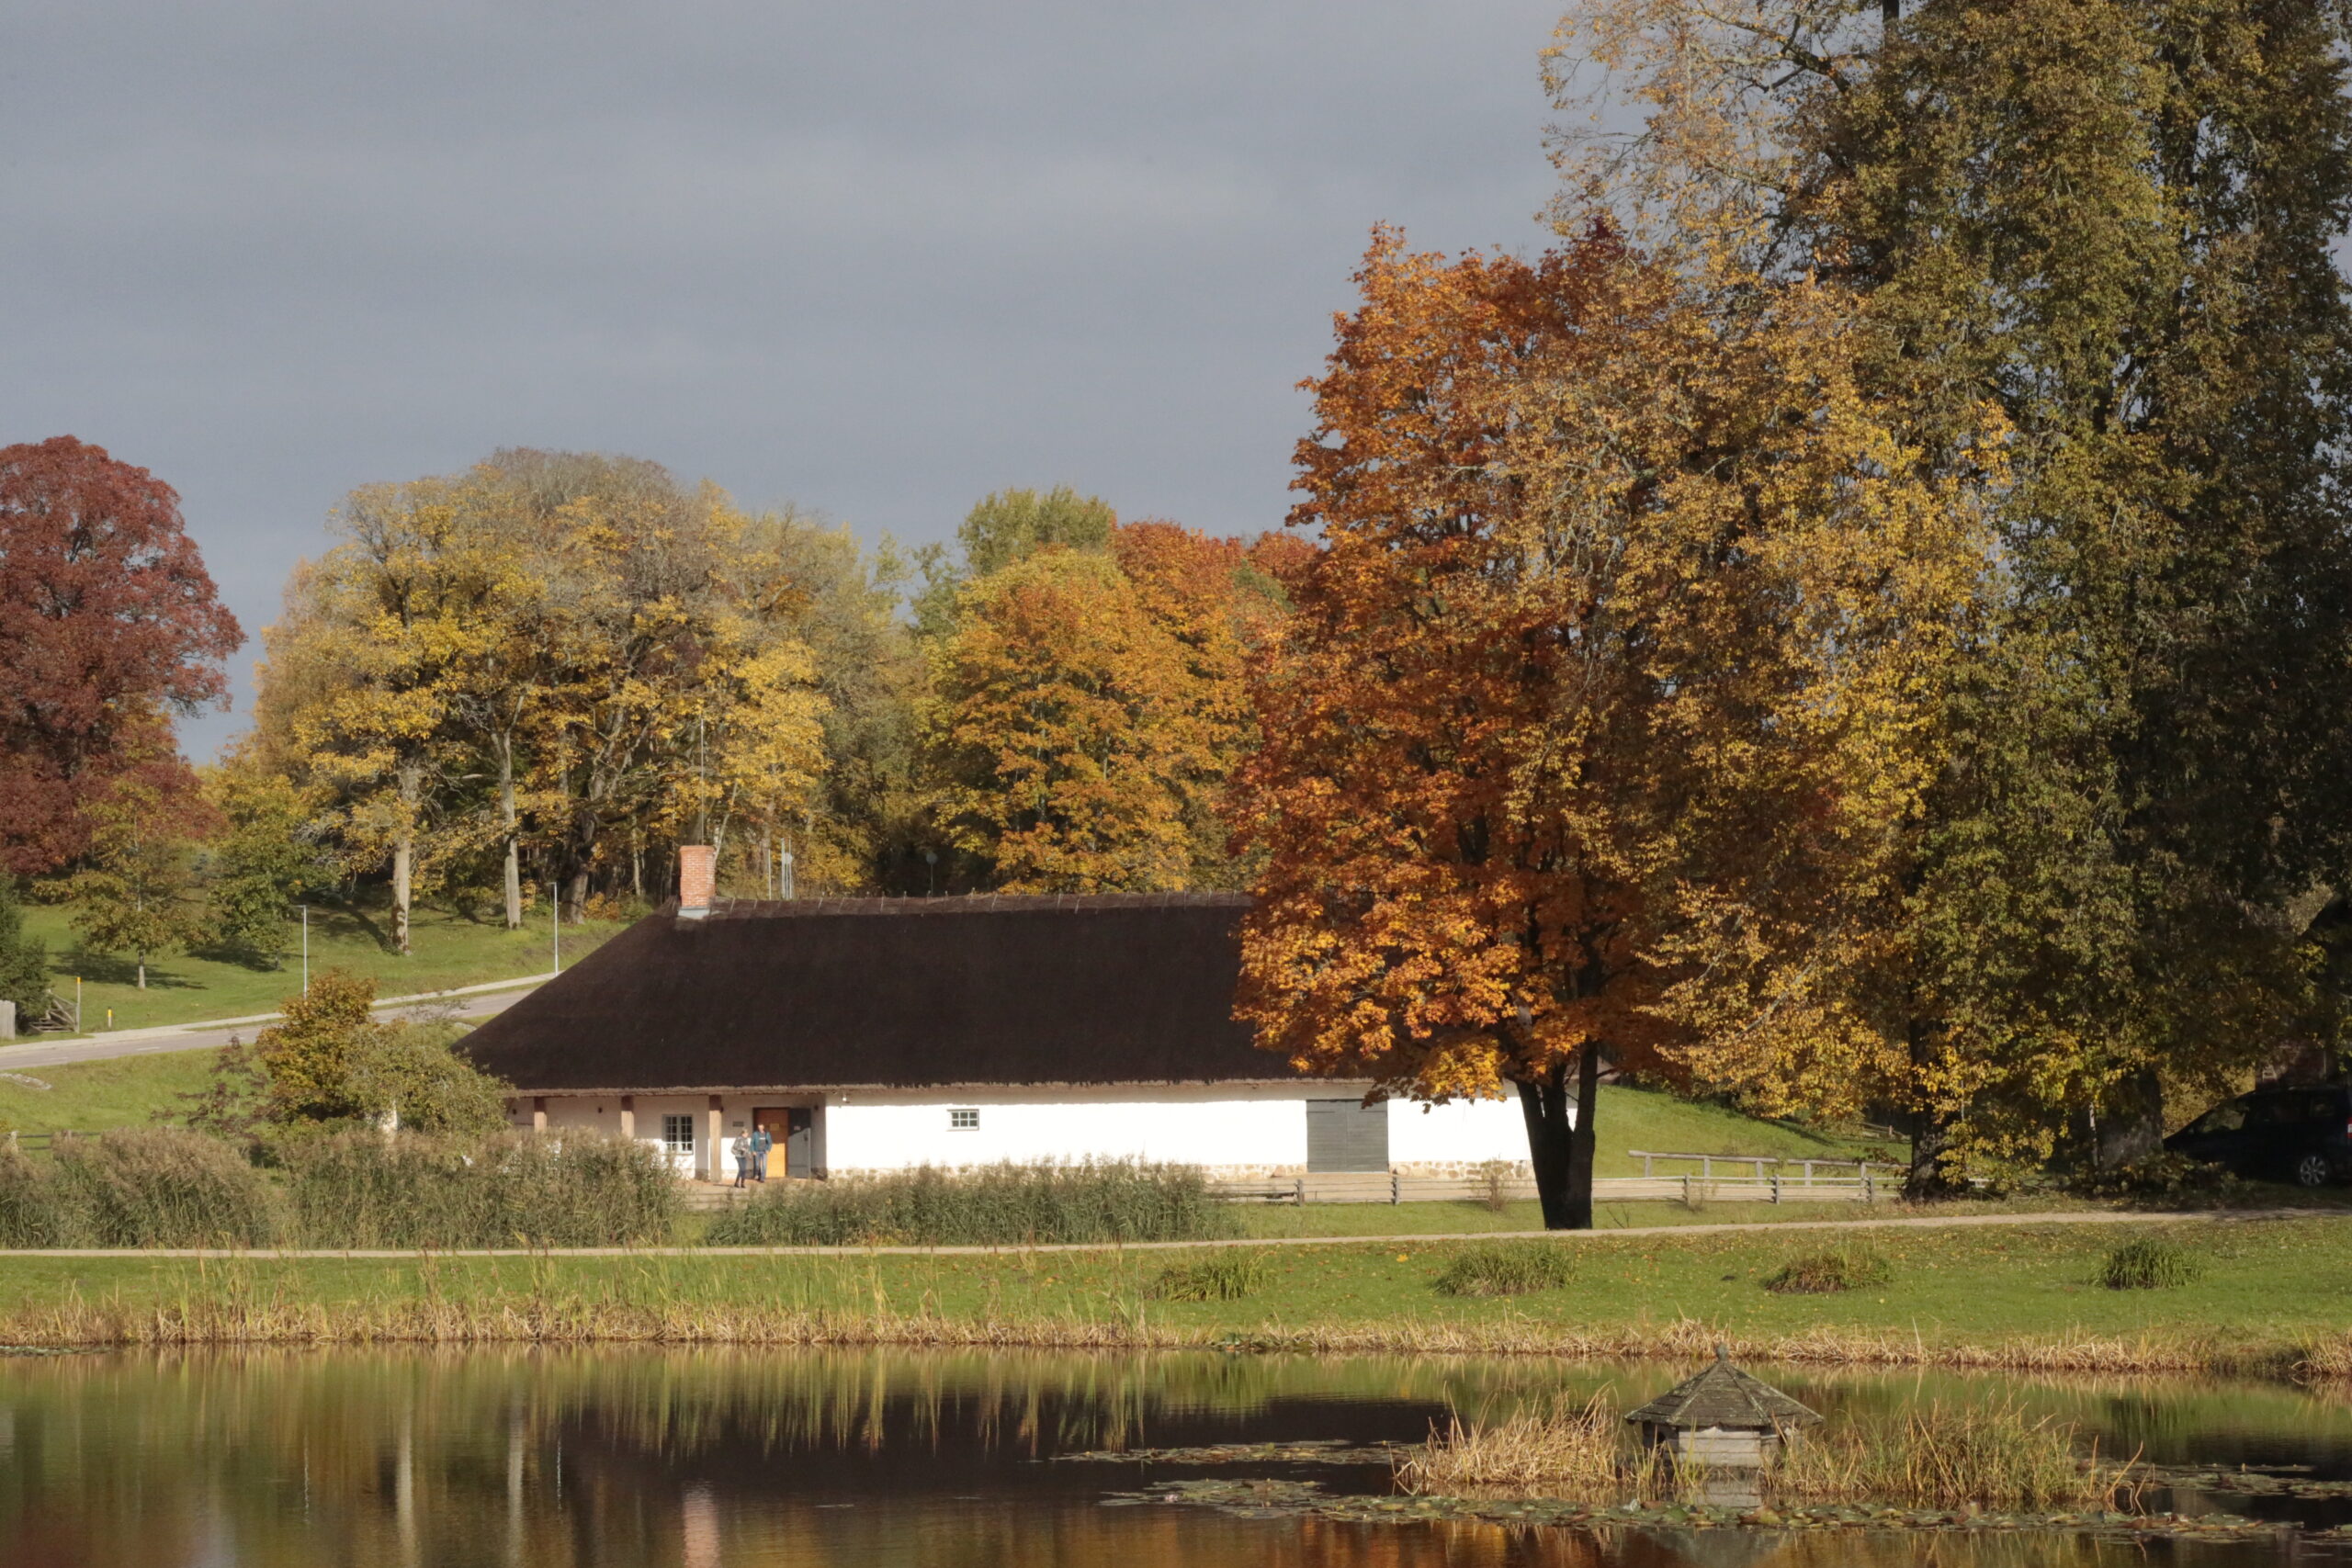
115 969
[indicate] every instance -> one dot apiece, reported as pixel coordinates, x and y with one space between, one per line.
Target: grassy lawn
2269 1285
97 1097
449 949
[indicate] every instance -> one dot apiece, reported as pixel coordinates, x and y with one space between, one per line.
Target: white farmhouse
880 1033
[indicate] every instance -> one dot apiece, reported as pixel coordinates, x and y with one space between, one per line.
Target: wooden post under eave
538 1113
711 1169
629 1116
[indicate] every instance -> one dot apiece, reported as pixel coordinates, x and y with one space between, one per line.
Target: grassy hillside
1647 1119
449 949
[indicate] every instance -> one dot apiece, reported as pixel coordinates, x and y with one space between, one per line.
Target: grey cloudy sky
874 258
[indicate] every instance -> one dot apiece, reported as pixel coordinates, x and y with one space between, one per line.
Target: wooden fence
1789 1182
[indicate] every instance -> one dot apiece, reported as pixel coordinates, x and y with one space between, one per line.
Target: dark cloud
874 258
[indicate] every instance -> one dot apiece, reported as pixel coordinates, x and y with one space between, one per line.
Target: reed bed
636 1302
1565 1450
1949 1457
157 1187
585 1188
164 1186
1937 1456
996 1205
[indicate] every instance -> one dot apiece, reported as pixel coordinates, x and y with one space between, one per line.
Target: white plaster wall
1227 1125
1460 1133
1230 1128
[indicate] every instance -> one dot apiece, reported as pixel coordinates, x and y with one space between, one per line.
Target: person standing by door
761 1144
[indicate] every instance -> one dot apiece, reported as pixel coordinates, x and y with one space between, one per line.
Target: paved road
2060 1217
26 1055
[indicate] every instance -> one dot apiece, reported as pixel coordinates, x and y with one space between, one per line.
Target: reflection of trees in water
609 1459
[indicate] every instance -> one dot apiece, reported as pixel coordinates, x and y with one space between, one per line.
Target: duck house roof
1724 1397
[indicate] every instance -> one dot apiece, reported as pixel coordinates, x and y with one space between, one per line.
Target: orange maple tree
1594 704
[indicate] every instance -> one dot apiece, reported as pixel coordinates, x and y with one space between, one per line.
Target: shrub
1825 1273
161 1186
2150 1266
364 1190
1221 1278
1494 1177
998 1205
1505 1269
331 1063
2162 1178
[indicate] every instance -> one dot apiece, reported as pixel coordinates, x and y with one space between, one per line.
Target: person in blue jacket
761 1144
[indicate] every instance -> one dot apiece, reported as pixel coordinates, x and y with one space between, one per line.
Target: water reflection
703 1458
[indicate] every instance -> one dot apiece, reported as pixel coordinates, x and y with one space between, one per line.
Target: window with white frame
678 1134
965 1121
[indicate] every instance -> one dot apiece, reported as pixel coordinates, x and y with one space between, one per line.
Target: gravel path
2063 1217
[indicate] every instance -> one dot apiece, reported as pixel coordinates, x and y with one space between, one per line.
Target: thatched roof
1722 1397
893 992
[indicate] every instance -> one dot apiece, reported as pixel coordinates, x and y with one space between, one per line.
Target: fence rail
1377 1187
1756 1164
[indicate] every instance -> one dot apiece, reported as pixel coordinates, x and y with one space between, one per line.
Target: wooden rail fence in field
1788 1181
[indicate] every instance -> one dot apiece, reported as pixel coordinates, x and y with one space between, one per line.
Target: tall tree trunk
2133 1125
1582 1132
1544 1102
1560 1139
579 897
143 971
507 818
1930 1132
412 786
403 874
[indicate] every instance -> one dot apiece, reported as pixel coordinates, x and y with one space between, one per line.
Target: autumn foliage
108 623
1599 700
1090 706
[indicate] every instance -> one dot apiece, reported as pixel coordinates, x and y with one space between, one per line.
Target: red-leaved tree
108 622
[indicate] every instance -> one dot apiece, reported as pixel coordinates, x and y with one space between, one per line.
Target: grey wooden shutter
1342 1134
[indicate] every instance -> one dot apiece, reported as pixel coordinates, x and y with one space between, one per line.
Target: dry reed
222 1311
1943 1457
1932 1457
1569 1450
995 1205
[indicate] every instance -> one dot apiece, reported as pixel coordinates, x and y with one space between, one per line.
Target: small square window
964 1121
678 1134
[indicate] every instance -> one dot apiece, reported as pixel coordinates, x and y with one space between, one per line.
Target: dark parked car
2302 1136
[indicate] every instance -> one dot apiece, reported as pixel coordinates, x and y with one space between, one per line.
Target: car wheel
2313 1170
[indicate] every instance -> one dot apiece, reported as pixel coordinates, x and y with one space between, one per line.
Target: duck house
1722 1417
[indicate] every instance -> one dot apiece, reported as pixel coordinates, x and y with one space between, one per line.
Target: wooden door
794 1128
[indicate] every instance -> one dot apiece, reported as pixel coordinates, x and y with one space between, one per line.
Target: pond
697 1458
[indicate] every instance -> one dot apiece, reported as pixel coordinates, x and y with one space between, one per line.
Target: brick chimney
697 873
